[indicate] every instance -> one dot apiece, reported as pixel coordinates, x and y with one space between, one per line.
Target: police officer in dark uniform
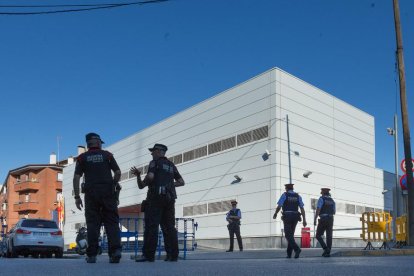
325 209
160 204
290 202
233 217
100 196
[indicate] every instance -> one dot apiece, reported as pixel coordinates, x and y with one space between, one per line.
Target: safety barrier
376 227
132 236
185 234
401 231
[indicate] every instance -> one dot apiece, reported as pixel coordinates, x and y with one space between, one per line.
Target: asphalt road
389 265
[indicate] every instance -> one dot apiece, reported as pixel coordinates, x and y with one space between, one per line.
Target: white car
34 237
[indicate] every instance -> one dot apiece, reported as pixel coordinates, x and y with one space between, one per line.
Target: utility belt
115 187
233 225
325 216
291 215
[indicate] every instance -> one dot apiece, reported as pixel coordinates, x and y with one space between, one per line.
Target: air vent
228 143
260 133
200 152
178 159
189 155
244 138
214 147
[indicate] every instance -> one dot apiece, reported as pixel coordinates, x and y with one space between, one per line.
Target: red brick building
31 191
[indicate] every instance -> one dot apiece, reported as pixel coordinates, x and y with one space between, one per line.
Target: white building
230 134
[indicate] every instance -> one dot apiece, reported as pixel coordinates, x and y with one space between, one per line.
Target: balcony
58 186
26 186
26 206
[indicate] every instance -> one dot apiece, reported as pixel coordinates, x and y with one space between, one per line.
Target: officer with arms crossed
233 217
290 202
325 210
160 204
100 196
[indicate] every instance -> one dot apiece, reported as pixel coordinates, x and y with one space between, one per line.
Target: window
26 197
200 209
60 177
39 223
340 207
369 209
124 176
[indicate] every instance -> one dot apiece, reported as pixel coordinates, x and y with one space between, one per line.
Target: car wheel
13 252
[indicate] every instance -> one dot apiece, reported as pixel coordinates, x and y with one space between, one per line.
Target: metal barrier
132 236
401 231
185 235
376 227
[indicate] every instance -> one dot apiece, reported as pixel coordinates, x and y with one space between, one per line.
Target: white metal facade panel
334 141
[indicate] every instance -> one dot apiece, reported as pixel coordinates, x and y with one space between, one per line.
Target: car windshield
38 223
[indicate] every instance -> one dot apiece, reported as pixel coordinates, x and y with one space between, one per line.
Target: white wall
334 140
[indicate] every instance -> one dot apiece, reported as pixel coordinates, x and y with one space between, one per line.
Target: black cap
289 186
233 202
158 146
92 135
325 190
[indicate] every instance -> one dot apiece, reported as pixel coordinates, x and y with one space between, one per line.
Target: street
390 265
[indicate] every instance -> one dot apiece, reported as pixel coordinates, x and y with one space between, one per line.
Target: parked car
35 237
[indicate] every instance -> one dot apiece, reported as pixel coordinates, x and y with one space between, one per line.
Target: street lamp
394 132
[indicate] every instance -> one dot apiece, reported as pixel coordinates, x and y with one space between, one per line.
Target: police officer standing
100 196
160 204
233 217
325 210
290 202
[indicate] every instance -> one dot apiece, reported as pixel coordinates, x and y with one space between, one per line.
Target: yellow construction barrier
401 231
376 227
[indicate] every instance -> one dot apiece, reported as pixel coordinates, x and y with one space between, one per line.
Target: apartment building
32 191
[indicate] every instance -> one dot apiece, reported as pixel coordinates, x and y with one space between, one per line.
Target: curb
374 253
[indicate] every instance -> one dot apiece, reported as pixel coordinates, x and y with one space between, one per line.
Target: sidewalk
281 253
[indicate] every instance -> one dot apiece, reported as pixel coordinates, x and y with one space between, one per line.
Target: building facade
245 144
32 191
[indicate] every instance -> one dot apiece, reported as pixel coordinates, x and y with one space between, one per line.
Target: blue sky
118 71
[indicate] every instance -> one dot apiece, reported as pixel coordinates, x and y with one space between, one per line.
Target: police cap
325 190
289 186
92 135
233 202
158 146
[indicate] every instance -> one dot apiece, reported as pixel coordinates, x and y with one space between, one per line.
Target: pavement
265 254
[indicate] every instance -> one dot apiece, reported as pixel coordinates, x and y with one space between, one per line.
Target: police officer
100 196
325 210
160 204
290 202
233 217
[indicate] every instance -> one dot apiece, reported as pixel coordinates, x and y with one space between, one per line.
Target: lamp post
394 132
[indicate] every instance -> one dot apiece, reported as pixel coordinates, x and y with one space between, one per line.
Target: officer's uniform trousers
325 223
101 207
289 223
160 210
234 228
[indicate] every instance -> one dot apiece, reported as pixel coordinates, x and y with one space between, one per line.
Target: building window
177 159
350 208
60 177
26 197
314 203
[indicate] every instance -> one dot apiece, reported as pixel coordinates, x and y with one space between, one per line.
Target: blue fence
132 236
